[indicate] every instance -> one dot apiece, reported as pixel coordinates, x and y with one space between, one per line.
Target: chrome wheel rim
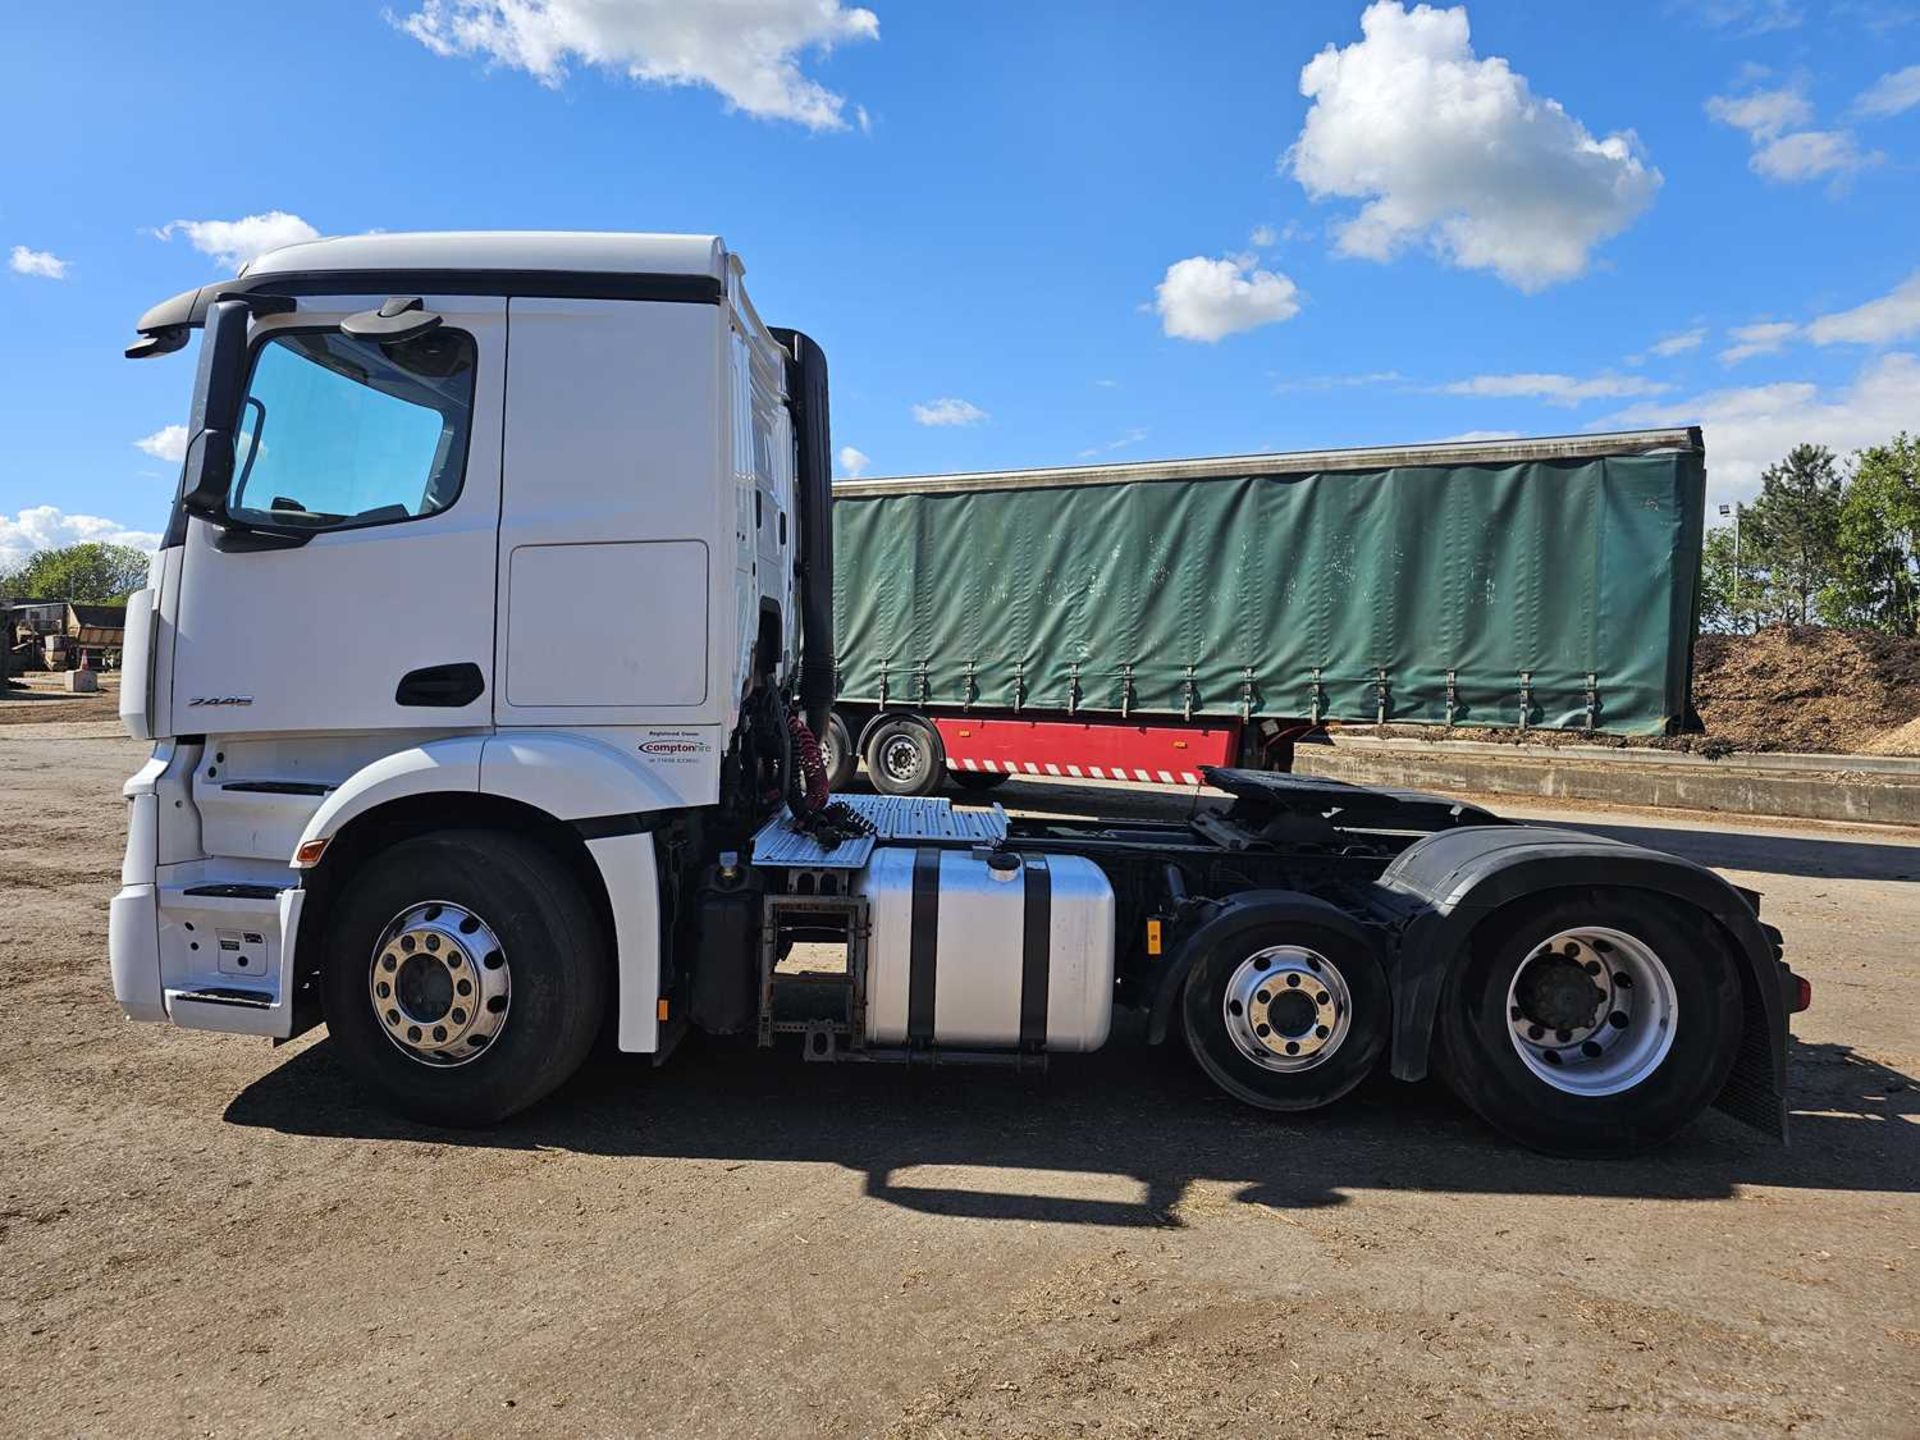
1287 1008
439 984
900 758
1592 1011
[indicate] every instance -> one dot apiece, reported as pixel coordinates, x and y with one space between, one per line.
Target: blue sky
1026 234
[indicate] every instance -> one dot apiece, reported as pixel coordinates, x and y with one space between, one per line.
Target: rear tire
905 757
836 748
978 781
465 976
1595 1022
1260 987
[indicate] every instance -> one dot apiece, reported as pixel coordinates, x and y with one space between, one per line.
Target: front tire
1589 1023
465 976
1284 1015
836 748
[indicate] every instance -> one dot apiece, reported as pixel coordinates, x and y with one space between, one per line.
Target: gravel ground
203 1235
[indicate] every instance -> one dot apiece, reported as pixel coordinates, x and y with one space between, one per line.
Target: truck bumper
133 953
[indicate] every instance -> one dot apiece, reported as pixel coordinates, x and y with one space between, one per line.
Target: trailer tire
836 748
1333 980
978 781
1645 1052
905 757
520 944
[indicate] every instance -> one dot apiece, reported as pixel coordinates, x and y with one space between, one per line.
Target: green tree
92 572
1875 581
1793 530
1730 596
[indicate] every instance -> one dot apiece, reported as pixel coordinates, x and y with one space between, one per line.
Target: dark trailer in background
1139 621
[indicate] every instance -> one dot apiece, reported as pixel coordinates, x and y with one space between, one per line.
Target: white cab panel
578 632
615 436
318 637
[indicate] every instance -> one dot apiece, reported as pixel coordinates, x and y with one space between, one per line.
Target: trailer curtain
1474 594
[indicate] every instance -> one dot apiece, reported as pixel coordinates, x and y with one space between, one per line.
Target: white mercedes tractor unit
482 662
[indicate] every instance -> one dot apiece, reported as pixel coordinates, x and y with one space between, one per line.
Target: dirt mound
1808 688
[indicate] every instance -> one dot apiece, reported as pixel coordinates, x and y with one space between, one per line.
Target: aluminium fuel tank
987 949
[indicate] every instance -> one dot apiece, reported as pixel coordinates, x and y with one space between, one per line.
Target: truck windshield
340 432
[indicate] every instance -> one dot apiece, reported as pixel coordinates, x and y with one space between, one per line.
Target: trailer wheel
905 757
978 781
1592 1023
464 976
1286 1016
837 748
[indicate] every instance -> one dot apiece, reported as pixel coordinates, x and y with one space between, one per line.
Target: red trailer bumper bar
1165 754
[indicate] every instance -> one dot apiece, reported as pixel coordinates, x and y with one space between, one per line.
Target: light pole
1734 510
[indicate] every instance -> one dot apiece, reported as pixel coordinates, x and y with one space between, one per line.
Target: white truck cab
502 527
483 659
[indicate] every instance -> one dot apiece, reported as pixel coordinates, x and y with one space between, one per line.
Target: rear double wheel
905 757
1593 1022
464 976
1284 1016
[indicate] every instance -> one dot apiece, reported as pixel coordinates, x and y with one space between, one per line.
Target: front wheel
1591 1023
1287 1014
836 748
464 976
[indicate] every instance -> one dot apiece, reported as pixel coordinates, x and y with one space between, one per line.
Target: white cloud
45 527
853 463
1749 429
169 442
748 50
1132 437
1765 338
1894 316
1458 151
1782 151
1891 94
1469 437
948 410
1763 114
41 263
1264 237
1667 346
239 242
1336 382
1555 389
1202 299
1752 17
1810 154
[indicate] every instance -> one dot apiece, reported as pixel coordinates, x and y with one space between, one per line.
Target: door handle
445 687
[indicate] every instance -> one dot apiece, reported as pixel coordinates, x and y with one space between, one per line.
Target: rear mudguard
1441 887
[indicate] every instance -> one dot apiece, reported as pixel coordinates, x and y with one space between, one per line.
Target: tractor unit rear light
1802 993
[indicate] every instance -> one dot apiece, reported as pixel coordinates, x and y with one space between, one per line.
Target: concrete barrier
1880 789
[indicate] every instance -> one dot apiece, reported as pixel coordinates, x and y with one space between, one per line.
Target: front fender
1444 885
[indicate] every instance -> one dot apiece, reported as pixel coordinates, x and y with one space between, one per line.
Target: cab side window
339 432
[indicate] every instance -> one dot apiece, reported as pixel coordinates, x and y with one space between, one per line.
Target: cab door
364 599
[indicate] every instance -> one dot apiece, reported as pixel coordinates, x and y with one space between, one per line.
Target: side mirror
219 390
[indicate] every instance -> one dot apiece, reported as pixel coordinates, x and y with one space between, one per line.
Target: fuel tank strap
923 945
1036 950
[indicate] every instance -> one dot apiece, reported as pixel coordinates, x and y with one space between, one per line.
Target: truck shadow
1129 1136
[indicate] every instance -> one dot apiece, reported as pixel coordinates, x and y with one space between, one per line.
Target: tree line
1826 542
93 573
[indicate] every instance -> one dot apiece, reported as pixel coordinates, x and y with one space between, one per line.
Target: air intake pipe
813 446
